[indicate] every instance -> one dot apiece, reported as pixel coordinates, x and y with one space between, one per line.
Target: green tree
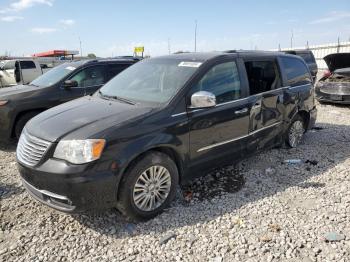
92 56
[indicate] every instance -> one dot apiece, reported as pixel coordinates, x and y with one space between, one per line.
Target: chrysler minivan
160 123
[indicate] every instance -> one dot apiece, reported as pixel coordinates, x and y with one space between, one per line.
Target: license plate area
336 97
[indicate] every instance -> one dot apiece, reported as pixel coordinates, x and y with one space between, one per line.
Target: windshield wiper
117 98
30 84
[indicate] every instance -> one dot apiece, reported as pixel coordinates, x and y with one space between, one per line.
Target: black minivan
162 122
61 84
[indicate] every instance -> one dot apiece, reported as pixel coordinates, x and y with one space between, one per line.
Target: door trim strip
237 138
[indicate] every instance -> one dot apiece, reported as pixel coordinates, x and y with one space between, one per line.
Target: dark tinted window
90 76
114 69
308 57
296 71
263 76
223 81
27 64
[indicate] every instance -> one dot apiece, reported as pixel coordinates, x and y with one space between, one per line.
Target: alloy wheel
152 188
296 133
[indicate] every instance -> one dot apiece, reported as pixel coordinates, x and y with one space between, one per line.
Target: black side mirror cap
69 84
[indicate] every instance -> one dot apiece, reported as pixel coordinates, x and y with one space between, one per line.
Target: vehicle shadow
8 147
264 174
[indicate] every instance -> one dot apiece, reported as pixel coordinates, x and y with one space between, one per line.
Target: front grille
30 149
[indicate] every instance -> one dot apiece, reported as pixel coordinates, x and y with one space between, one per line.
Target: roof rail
230 51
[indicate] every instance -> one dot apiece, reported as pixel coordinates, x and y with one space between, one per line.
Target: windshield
55 75
151 81
8 64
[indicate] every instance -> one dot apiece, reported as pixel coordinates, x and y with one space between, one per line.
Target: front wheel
295 132
148 186
22 121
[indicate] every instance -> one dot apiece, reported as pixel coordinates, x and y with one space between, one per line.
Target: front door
216 133
89 80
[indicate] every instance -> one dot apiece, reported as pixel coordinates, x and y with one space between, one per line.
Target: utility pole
195 36
169 46
81 50
291 40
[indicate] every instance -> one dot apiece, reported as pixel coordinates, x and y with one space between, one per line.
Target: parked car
309 58
61 84
163 122
334 86
21 71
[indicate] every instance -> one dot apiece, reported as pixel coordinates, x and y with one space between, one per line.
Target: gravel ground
261 210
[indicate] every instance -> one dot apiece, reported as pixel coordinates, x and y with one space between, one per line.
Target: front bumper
336 92
71 192
324 99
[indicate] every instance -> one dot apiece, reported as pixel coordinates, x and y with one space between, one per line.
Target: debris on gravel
260 210
334 237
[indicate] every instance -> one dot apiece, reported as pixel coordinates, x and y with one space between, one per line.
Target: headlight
3 102
80 151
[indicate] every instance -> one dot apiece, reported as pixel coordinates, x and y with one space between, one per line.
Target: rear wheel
148 186
295 132
22 121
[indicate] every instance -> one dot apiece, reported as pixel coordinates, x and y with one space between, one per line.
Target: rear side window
223 81
296 71
114 69
27 64
263 76
308 57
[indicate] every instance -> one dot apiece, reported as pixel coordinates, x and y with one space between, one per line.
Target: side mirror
203 99
69 84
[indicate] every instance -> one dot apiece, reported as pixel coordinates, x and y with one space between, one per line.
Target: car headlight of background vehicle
80 151
3 102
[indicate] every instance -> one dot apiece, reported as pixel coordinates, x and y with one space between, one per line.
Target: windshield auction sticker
190 64
71 68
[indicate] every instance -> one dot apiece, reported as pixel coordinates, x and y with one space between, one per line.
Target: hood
82 118
15 90
337 61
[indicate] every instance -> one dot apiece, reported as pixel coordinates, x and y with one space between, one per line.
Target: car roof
298 51
112 60
205 56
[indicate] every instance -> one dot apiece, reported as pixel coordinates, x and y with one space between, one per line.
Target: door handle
242 111
257 105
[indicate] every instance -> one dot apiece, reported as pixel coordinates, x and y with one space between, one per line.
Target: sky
111 28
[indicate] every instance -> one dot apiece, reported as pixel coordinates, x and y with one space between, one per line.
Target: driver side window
223 81
91 76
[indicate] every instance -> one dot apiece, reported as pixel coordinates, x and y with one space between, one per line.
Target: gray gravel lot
262 210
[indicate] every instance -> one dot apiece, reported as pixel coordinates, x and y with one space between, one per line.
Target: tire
137 190
22 121
295 132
